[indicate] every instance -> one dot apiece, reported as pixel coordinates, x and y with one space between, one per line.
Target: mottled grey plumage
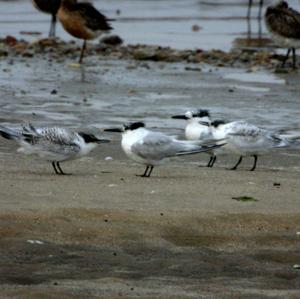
53 144
54 139
245 139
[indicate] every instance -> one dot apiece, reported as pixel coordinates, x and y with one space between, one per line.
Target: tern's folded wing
154 146
53 139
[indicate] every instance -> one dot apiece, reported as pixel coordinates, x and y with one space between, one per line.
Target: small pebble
196 28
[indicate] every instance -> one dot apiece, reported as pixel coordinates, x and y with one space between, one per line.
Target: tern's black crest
134 126
88 138
217 122
201 113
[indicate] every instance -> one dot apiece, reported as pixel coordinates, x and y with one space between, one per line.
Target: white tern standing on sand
195 130
151 148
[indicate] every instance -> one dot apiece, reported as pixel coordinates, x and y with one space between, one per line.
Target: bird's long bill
179 117
204 123
118 130
103 141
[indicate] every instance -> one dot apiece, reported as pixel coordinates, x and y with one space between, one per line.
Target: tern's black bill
103 141
114 130
204 123
179 117
90 138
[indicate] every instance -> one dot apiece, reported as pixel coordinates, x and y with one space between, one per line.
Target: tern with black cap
152 148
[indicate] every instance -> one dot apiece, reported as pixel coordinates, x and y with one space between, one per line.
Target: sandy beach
103 232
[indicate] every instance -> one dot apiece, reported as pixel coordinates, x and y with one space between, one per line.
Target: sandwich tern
53 144
245 139
195 130
151 148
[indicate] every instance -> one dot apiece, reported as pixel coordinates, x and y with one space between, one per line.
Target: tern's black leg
294 58
209 162
53 164
59 168
150 171
237 164
82 51
145 172
213 161
286 57
255 161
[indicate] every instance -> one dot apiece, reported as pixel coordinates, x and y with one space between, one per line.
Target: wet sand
103 232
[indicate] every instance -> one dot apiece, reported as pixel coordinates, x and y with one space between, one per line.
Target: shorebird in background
82 20
195 130
283 24
53 144
50 7
151 148
245 139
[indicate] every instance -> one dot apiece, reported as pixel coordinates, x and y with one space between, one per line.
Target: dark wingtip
6 135
179 117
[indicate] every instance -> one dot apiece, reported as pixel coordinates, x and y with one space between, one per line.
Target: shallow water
163 22
114 92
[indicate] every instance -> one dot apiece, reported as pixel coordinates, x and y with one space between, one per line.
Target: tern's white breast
129 138
196 131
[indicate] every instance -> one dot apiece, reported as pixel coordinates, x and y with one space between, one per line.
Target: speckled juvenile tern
53 144
195 130
245 139
151 148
